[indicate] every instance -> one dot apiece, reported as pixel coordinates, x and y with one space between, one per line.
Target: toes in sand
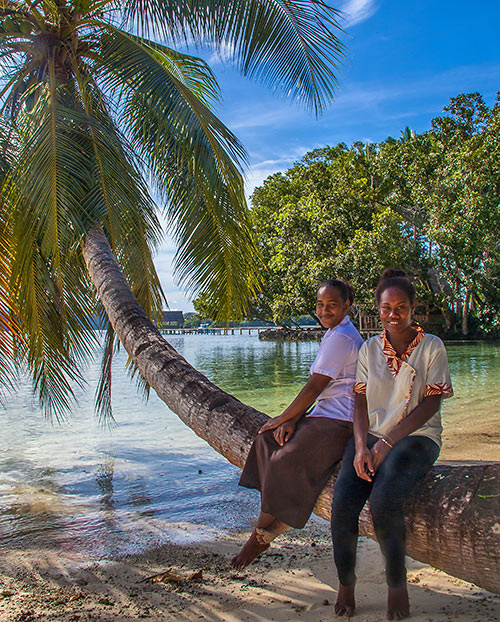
398 604
250 551
345 604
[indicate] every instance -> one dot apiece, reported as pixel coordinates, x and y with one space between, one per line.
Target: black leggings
406 463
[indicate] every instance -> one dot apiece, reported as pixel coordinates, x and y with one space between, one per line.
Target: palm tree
99 117
453 517
94 108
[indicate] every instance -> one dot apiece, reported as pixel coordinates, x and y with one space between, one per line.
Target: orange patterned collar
393 360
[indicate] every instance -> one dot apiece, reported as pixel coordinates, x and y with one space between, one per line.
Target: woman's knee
285 457
384 503
348 501
340 507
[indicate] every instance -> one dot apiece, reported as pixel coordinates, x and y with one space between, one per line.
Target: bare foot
250 551
398 603
345 604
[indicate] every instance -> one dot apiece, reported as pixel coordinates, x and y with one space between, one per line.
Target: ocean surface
80 486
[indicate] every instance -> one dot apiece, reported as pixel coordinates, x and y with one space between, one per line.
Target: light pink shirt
337 357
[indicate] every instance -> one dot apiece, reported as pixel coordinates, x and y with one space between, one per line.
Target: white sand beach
295 580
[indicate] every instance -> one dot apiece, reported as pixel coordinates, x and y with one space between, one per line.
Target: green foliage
428 203
306 217
462 220
384 243
203 307
192 320
96 112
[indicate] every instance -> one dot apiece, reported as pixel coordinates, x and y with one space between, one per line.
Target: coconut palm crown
99 115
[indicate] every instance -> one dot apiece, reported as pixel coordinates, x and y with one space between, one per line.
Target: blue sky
405 60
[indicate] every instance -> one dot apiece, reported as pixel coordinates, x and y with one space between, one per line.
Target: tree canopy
426 202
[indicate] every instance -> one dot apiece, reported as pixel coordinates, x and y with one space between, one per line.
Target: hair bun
350 289
390 273
393 277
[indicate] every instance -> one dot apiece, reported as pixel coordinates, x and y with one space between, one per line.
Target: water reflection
104 480
475 371
236 365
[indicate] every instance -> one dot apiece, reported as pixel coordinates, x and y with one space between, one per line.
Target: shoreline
294 580
290 582
315 333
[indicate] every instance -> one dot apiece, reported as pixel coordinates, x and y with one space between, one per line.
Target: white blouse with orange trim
395 385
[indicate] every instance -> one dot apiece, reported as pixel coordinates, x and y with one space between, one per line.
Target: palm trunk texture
453 517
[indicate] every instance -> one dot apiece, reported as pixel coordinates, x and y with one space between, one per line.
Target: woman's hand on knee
271 424
363 464
284 432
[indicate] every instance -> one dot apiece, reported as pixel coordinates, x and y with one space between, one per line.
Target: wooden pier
368 325
212 331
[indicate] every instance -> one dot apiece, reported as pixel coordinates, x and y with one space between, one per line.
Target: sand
472 438
294 580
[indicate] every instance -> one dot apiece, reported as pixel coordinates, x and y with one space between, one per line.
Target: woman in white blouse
402 376
294 454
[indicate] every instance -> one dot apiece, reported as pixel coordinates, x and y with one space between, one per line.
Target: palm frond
217 252
94 116
103 391
120 201
191 155
163 79
59 335
48 184
118 197
10 330
293 46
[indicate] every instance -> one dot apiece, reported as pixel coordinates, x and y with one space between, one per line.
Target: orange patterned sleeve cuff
360 387
439 388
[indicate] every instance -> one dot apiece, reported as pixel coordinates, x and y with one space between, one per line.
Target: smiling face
331 308
395 310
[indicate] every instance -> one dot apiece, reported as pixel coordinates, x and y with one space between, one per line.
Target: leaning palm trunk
453 518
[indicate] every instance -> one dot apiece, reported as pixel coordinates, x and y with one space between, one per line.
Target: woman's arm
329 363
363 462
428 407
307 396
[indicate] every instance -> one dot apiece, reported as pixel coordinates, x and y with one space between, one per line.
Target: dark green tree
426 202
305 217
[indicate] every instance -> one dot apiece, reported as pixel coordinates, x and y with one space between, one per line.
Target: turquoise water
81 487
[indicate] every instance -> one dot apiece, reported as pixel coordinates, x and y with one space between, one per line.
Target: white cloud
357 11
279 115
260 170
257 175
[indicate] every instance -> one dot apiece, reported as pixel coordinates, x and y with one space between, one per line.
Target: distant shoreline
315 334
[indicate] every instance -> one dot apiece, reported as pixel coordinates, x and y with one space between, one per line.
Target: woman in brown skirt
294 454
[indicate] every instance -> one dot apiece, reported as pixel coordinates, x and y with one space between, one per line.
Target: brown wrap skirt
291 477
